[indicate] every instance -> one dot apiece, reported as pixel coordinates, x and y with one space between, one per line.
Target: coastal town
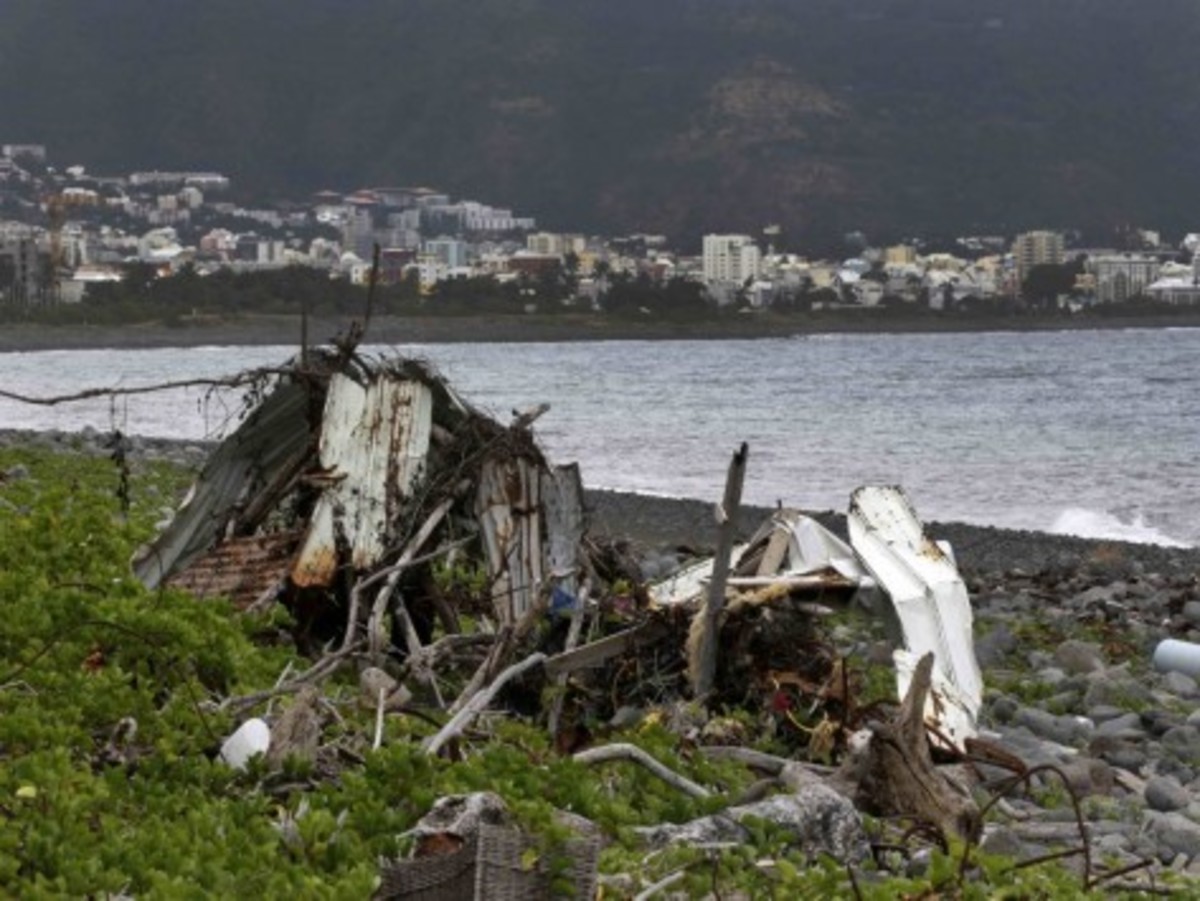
65 231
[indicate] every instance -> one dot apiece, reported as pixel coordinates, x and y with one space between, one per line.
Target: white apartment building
1120 276
555 245
730 259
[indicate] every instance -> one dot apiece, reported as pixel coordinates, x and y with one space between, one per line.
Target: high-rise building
450 252
730 259
1034 249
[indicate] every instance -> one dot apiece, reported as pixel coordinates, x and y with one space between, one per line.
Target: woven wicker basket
489 867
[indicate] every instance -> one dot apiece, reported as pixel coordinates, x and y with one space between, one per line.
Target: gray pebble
992 647
1116 689
1051 675
1159 722
1183 741
1079 656
1119 753
1191 612
1065 730
1175 834
1127 725
1003 841
1088 776
1165 793
1102 713
1180 684
1004 709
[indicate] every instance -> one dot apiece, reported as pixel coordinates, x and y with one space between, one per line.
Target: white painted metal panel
931 603
689 583
562 506
374 441
814 548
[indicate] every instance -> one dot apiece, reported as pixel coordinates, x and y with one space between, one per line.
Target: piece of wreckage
793 570
350 478
890 567
335 486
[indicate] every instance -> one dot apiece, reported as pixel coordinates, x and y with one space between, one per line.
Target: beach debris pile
439 557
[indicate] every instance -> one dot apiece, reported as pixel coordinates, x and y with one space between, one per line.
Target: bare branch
233 381
477 704
623 751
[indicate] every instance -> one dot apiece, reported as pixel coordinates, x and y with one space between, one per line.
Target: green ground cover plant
111 717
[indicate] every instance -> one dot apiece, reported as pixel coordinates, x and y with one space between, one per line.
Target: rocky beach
1065 632
1065 629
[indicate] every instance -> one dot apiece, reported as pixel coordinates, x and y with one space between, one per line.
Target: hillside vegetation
680 116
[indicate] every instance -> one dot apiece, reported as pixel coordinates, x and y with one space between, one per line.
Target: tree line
143 295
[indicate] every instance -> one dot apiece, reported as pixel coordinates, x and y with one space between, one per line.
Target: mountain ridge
681 116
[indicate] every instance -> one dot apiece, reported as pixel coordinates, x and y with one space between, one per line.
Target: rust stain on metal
319 565
375 439
508 506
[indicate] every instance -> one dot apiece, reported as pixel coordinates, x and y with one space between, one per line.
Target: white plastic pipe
1178 656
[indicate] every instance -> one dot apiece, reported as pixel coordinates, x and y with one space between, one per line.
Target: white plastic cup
1172 655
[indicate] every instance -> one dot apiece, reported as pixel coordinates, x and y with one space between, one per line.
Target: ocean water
1086 433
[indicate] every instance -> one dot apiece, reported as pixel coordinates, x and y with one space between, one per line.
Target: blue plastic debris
562 603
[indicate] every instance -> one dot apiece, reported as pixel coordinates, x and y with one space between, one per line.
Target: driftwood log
895 776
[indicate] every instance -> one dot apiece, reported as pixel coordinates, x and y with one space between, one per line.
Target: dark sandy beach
396 330
652 524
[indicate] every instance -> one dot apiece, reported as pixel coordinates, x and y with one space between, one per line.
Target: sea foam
1101 524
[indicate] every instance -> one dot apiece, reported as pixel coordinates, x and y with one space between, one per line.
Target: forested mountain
891 116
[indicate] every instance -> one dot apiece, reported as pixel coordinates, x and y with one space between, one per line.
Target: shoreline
658 524
258 330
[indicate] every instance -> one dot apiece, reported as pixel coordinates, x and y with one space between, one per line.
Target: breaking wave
1100 524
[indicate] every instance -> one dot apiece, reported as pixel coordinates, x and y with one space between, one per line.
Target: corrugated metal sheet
374 440
930 600
241 569
254 455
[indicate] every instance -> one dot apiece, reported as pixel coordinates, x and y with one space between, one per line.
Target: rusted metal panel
250 458
931 603
374 441
507 506
241 569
